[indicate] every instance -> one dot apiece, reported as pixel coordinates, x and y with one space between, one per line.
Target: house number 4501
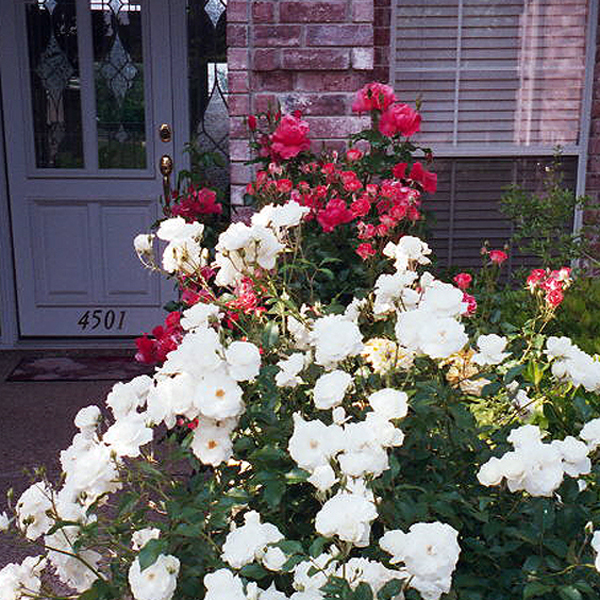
105 319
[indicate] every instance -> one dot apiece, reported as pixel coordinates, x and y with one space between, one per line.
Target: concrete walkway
36 422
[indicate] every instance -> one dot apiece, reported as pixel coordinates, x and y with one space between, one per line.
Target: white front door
86 85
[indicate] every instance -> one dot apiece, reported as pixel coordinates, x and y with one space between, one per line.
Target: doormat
84 368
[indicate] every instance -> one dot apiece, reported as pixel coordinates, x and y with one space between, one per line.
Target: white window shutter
492 72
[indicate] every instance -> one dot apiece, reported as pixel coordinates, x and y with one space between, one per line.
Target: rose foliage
327 421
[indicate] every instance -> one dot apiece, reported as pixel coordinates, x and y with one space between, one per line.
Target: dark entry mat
85 368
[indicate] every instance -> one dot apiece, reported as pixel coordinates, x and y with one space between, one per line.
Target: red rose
400 119
290 138
354 154
335 213
427 179
374 96
252 123
498 256
399 170
463 280
365 250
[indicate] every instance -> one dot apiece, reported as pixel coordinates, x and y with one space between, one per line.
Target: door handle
166 168
164 133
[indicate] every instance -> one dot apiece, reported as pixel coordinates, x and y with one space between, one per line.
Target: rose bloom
471 305
290 138
463 280
400 119
427 179
554 298
365 251
498 256
354 154
374 96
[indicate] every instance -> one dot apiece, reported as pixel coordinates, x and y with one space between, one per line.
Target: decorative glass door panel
86 84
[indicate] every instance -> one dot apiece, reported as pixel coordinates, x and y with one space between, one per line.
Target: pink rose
498 256
400 119
365 250
374 96
463 280
290 138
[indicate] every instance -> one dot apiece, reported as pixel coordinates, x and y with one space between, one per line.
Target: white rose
211 443
348 516
335 338
143 243
243 360
200 315
289 370
156 582
219 397
19 581
141 537
389 403
88 418
330 389
491 350
31 510
249 542
176 229
313 443
223 585
128 434
590 434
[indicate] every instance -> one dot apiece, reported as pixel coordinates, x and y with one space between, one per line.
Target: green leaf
363 592
316 548
535 589
253 571
290 547
390 589
569 592
512 373
150 552
270 335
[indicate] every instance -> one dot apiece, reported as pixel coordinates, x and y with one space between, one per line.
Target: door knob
165 133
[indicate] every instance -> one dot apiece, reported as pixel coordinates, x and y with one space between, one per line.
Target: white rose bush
328 419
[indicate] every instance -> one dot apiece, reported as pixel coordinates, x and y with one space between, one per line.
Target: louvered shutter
497 80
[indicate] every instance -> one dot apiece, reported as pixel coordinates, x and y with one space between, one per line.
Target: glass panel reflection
207 77
55 84
119 82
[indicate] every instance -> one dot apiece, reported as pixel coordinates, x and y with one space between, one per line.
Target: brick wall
310 55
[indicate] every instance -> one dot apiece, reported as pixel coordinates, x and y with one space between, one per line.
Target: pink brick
265 102
363 59
239 150
237 59
237 128
237 35
331 82
339 35
237 196
272 81
316 104
263 12
337 145
362 11
238 104
266 59
316 59
238 81
337 127
313 12
277 35
237 11
240 173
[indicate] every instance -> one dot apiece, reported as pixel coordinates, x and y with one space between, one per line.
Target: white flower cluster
428 313
242 249
157 581
200 380
356 450
429 552
536 467
183 252
252 542
21 581
573 364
